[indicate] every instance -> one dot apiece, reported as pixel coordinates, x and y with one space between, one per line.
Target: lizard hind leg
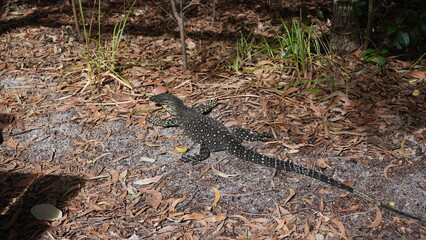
203 155
243 134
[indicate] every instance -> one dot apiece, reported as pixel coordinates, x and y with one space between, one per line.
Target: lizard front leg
171 122
206 107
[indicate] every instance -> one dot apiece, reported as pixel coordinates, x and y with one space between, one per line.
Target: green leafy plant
377 56
102 59
406 28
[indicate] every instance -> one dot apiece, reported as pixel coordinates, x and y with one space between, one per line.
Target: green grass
294 46
245 51
100 56
299 44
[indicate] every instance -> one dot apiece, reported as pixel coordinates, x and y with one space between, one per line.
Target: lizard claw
190 159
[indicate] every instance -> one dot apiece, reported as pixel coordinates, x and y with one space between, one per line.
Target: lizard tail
255 157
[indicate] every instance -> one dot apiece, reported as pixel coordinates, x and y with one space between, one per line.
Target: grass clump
101 56
294 46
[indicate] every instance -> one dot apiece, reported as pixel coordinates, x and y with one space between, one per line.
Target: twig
179 19
77 27
369 28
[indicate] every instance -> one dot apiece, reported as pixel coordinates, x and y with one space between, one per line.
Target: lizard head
168 102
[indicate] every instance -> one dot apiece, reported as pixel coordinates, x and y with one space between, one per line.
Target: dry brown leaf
264 63
79 143
216 198
190 44
351 208
321 163
122 175
344 195
221 174
36 170
308 200
401 147
96 114
360 121
147 159
339 224
154 197
350 183
57 222
11 143
167 229
204 170
293 146
377 220
194 216
345 101
215 218
262 220
146 181
404 63
280 223
386 169
26 181
244 219
357 53
114 175
120 158
159 90
419 135
109 132
175 203
324 191
419 74
322 205
306 230
342 99
290 195
156 82
290 91
120 98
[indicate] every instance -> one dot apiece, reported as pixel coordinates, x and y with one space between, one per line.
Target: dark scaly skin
214 136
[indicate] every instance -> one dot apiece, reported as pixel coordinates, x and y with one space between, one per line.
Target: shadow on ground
21 191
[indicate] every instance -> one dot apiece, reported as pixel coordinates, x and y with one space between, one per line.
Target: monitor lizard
214 136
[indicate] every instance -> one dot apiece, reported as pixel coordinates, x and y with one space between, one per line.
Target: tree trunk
345 35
